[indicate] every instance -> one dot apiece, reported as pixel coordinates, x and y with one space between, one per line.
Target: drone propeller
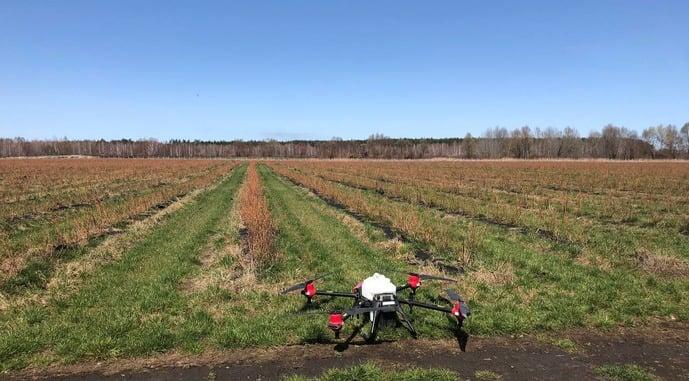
300 286
453 296
311 312
460 308
435 277
350 312
427 276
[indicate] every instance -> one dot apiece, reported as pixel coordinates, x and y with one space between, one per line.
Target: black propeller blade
350 312
453 296
300 286
434 277
313 312
428 276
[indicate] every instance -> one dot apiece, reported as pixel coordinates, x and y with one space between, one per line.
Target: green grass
372 372
136 306
487 375
566 345
36 273
127 308
311 241
551 289
628 372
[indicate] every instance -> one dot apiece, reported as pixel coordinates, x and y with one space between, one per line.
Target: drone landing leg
355 332
345 344
371 337
407 324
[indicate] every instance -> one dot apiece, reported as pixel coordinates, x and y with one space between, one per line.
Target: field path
663 351
129 307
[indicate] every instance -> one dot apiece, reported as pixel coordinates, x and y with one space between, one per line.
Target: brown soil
663 350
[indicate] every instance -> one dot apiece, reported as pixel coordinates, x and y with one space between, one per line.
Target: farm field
49 207
107 259
548 244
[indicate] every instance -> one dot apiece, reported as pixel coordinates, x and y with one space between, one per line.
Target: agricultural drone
377 301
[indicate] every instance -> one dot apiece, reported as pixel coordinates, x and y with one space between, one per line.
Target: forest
611 142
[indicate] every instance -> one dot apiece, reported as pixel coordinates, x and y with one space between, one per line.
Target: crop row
418 224
547 221
602 192
256 219
31 189
550 223
550 218
102 193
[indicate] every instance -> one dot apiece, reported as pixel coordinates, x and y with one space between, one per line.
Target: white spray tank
377 284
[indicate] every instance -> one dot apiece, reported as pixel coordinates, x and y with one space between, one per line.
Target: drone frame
383 305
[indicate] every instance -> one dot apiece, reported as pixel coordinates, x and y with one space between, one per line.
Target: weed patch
628 372
372 372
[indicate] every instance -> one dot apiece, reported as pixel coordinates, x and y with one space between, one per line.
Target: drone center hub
375 285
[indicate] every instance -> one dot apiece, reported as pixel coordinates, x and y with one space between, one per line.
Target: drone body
376 300
376 285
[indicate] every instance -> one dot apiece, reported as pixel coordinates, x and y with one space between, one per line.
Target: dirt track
664 350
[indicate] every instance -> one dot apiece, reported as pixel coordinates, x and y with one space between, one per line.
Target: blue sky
305 70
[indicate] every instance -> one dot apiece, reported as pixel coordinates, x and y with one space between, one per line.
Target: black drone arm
336 294
358 311
426 305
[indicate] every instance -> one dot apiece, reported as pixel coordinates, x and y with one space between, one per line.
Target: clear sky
318 69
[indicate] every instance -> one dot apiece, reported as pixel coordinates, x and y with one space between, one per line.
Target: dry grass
47 204
561 200
593 212
67 276
503 274
472 243
592 260
255 216
393 246
426 227
222 246
662 264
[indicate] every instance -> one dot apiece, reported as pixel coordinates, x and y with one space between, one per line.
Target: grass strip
372 372
127 308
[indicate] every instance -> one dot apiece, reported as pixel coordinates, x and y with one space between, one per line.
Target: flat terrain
51 207
661 353
550 250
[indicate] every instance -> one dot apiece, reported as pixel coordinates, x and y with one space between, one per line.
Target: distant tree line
611 142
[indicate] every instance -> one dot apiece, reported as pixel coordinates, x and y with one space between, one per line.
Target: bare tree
521 138
570 143
666 139
684 132
672 140
552 142
611 136
469 146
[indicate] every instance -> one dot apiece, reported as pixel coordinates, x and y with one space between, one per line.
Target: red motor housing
457 310
413 281
309 290
335 321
